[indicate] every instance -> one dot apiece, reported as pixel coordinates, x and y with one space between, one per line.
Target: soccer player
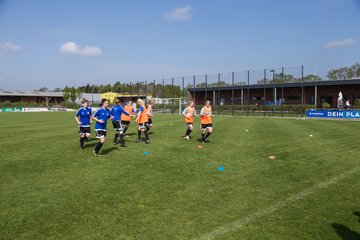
142 120
206 122
83 119
125 120
150 114
189 113
116 112
101 116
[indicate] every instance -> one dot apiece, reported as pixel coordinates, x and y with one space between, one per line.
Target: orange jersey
189 112
205 115
149 111
143 118
130 110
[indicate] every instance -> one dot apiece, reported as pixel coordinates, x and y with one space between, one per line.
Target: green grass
50 189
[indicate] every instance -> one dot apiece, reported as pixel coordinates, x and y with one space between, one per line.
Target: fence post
282 92
130 91
248 92
182 87
264 91
182 92
219 97
163 83
206 87
316 96
232 91
145 91
138 84
194 85
302 84
154 93
172 95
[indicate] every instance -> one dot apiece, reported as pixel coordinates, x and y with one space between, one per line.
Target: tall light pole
273 83
139 88
274 90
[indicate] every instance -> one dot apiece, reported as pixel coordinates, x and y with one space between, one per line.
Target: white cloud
91 51
10 46
74 48
179 14
340 43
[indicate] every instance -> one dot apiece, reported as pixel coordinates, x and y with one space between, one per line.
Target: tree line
141 89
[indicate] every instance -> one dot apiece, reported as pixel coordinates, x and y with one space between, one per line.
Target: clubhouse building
306 93
38 97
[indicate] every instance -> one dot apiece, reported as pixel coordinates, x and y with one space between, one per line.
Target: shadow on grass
108 150
357 214
130 134
91 139
345 233
90 145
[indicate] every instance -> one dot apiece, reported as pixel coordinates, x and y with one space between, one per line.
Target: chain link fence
266 92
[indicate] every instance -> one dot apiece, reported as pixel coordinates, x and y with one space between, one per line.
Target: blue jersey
84 114
116 112
102 114
140 109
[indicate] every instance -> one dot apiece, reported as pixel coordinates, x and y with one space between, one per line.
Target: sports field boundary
231 227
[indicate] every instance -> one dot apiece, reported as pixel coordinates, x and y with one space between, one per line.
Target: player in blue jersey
83 119
101 116
116 112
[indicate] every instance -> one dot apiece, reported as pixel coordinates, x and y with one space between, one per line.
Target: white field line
231 227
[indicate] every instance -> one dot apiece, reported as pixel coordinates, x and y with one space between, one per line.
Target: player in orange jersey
125 120
189 113
142 120
150 114
206 122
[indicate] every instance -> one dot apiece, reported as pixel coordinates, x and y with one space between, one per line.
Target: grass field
50 189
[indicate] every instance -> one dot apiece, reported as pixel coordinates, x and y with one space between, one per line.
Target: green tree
66 93
57 89
309 78
73 94
356 103
325 105
344 72
264 81
43 89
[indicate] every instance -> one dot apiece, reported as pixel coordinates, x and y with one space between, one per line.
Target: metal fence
283 91
266 92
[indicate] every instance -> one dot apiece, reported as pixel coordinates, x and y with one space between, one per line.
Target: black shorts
143 125
206 126
117 125
125 123
84 130
100 133
149 122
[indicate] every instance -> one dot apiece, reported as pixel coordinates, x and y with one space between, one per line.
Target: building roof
354 81
17 93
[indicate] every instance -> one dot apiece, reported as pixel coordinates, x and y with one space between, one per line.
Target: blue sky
54 43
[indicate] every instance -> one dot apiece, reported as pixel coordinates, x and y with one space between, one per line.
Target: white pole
242 97
275 96
180 106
